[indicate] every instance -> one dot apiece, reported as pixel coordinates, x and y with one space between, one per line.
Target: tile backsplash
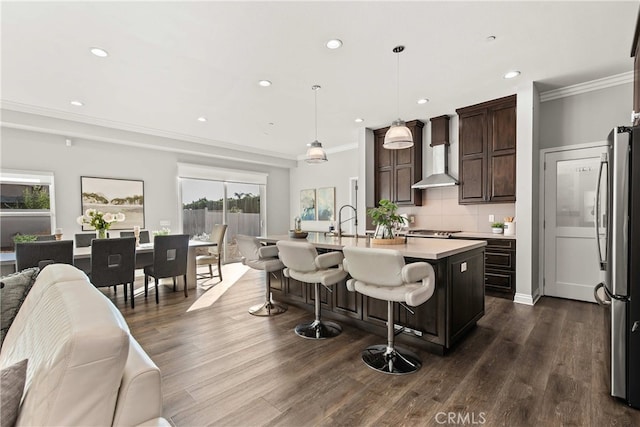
440 211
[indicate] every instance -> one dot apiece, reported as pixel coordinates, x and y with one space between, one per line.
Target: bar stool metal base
318 330
268 308
396 361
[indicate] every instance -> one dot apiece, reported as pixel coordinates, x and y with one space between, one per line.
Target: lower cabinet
500 267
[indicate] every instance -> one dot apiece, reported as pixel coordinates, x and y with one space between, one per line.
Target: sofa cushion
13 290
12 379
77 344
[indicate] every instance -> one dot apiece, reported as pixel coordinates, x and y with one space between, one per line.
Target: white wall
29 150
335 172
585 117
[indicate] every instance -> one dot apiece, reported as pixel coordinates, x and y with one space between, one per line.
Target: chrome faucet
354 217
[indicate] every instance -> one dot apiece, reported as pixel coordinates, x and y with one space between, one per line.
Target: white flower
108 217
80 220
120 217
90 212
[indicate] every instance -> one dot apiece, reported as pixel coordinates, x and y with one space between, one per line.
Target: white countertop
414 248
475 235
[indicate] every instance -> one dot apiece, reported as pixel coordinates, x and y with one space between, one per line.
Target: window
27 205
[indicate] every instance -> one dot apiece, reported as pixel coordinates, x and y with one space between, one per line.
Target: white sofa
84 368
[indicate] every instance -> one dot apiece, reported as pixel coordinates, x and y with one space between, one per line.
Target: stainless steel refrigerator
617 228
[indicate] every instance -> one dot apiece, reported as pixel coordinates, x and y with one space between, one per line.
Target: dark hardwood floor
521 366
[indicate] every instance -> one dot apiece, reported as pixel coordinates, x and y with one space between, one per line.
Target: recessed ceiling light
490 38
202 119
422 101
334 43
511 74
76 103
264 83
99 52
359 120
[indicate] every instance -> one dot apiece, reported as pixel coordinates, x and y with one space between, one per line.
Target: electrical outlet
492 218
463 267
412 219
165 223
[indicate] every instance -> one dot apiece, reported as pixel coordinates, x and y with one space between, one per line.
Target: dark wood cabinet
499 267
635 54
487 159
397 170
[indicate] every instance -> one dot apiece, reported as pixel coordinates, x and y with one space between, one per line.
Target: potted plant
386 219
497 227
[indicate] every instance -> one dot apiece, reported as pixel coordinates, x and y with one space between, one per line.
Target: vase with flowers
100 221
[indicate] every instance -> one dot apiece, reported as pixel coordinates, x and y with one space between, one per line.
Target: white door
571 267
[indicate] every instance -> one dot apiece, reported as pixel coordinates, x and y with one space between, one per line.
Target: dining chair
41 254
214 252
144 235
113 262
83 240
169 260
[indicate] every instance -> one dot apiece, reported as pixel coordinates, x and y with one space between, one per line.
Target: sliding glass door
208 202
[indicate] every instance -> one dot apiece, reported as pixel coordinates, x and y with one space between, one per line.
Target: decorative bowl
298 234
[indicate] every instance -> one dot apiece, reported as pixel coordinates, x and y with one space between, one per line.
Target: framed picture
308 205
326 201
115 196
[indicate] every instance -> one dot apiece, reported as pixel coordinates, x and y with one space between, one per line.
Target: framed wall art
308 205
114 195
326 202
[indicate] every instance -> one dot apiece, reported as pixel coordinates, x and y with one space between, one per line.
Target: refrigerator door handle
601 259
611 295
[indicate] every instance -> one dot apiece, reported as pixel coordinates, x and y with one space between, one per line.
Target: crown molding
585 87
74 117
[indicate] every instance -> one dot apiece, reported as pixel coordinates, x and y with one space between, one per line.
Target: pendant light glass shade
398 136
315 152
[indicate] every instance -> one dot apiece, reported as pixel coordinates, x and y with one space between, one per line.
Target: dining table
144 256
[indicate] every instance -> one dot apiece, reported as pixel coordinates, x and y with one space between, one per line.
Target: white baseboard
525 299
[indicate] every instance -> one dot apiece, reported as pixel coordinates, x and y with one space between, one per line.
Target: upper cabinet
397 170
487 159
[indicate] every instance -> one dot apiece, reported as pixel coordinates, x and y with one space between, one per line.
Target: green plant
22 238
386 216
164 232
35 197
497 225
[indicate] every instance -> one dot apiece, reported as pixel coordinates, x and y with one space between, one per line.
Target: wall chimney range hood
440 176
440 144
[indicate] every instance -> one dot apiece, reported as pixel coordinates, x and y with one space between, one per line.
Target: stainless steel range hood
440 176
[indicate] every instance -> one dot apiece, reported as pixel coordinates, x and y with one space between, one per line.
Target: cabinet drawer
499 259
509 244
499 279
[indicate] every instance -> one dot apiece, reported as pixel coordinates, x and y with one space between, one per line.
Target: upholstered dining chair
169 260
264 258
83 240
40 254
302 262
383 274
113 262
214 254
144 235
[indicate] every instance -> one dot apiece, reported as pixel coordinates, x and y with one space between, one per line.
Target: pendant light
398 136
315 152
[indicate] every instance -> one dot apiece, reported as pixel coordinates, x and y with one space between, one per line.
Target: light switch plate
463 267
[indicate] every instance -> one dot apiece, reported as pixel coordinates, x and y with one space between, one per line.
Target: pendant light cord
398 86
316 107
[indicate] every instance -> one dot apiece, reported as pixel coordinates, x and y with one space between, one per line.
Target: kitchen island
436 325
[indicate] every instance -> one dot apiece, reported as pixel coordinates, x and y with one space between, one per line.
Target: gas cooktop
441 234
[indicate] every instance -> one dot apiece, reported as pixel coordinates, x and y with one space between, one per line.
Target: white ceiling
172 62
